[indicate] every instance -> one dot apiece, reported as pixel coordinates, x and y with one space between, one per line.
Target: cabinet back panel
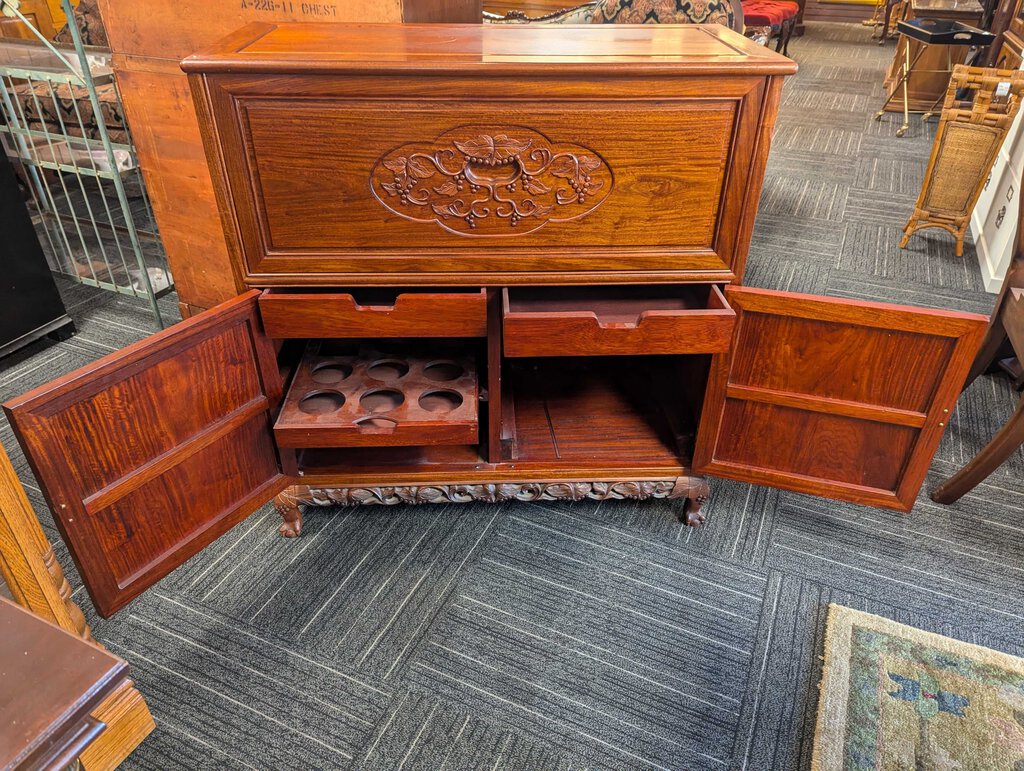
875 366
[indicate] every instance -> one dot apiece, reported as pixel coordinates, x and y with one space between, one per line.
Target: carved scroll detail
693 489
492 492
486 181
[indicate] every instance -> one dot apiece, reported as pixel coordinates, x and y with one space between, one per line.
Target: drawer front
596 323
332 184
373 313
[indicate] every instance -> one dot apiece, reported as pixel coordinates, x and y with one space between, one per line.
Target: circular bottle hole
440 401
321 402
331 372
443 371
381 400
387 369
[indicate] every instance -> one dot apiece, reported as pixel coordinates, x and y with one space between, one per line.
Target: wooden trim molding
37 582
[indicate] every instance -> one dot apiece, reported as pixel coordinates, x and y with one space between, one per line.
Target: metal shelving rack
86 190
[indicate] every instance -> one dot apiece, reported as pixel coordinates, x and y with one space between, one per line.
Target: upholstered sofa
726 12
767 18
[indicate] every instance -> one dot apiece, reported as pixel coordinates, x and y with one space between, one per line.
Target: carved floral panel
491 181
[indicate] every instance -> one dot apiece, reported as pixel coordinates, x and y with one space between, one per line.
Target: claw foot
696 497
291 529
287 505
692 516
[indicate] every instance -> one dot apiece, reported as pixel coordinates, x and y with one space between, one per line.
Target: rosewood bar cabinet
485 263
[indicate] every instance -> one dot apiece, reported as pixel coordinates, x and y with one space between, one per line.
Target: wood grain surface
149 39
381 394
152 452
51 680
430 150
607 321
840 398
367 313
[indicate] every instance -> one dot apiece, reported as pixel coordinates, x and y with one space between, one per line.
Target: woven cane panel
964 158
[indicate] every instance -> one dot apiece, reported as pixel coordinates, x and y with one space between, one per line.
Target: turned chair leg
789 27
991 349
1009 438
960 234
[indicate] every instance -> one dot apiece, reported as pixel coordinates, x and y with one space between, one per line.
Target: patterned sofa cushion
631 12
64 107
664 12
87 17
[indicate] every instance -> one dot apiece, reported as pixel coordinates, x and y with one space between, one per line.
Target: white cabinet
994 220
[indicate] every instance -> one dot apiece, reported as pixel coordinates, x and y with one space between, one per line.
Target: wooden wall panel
149 39
159 109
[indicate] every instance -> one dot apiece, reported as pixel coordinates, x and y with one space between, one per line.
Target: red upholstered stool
778 14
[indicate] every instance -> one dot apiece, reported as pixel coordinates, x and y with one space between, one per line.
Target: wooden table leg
1009 438
37 582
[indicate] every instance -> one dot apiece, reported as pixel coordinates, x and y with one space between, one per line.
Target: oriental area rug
896 697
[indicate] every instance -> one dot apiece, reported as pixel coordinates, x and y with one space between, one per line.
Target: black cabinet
30 305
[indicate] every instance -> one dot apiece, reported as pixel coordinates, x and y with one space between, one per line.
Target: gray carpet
588 635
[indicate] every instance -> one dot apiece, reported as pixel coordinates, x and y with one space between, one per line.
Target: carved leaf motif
535 186
589 164
396 165
391 189
563 166
525 491
629 489
420 168
542 211
447 210
447 188
496 148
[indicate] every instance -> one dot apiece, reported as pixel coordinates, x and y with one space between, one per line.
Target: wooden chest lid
606 49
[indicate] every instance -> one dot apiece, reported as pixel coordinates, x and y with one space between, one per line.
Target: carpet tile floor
586 635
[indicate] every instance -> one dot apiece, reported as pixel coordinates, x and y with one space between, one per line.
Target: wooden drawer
374 312
357 395
616 320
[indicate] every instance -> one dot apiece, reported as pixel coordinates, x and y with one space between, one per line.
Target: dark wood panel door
151 453
832 397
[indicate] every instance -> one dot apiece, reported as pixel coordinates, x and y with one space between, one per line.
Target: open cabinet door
149 454
838 398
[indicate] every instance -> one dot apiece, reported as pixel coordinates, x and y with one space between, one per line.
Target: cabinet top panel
605 49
